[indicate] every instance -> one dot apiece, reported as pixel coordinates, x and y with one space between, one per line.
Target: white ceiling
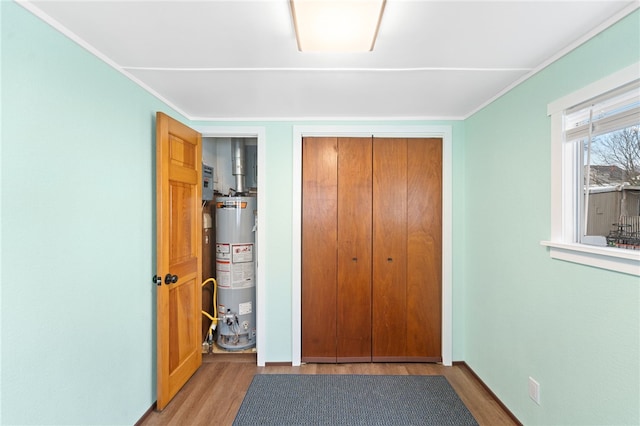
238 59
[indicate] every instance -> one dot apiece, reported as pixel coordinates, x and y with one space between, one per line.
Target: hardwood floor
214 394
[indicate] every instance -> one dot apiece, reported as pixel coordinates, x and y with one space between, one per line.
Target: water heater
235 271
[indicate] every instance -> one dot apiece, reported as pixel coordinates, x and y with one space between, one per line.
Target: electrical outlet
534 390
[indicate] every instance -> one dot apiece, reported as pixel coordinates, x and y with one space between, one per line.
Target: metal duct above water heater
238 164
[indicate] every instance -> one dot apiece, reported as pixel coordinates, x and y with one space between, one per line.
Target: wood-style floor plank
214 394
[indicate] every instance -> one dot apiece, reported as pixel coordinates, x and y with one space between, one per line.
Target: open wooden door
179 259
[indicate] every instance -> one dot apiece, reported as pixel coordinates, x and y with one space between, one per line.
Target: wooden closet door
424 249
371 249
389 249
407 249
319 239
354 250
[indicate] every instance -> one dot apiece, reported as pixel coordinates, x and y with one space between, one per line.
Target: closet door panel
319 239
354 250
424 243
389 248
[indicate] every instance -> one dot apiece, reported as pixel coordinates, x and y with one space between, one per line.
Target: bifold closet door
371 249
354 250
389 249
424 249
336 250
319 239
407 242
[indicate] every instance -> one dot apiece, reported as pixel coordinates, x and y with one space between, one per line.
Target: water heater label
234 275
223 274
231 204
244 308
242 275
242 253
222 249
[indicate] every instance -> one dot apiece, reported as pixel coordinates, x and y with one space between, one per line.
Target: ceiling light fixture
336 25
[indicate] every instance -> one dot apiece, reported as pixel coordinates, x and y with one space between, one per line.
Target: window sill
611 258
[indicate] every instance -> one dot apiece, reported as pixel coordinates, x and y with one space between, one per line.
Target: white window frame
564 186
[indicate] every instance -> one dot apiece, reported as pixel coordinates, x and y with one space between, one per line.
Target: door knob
157 280
170 279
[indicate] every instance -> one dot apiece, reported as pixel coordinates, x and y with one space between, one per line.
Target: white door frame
260 134
407 131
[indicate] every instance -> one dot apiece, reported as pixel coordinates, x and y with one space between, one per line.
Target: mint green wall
78 235
573 328
78 306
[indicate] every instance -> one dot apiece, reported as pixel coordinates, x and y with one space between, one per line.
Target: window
596 174
605 131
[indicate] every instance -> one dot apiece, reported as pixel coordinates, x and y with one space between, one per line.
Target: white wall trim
261 240
408 131
325 119
611 258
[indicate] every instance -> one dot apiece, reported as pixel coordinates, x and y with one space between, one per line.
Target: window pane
611 207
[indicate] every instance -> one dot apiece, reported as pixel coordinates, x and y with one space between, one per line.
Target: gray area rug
298 399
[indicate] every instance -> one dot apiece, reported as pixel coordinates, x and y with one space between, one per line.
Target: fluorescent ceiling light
336 25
